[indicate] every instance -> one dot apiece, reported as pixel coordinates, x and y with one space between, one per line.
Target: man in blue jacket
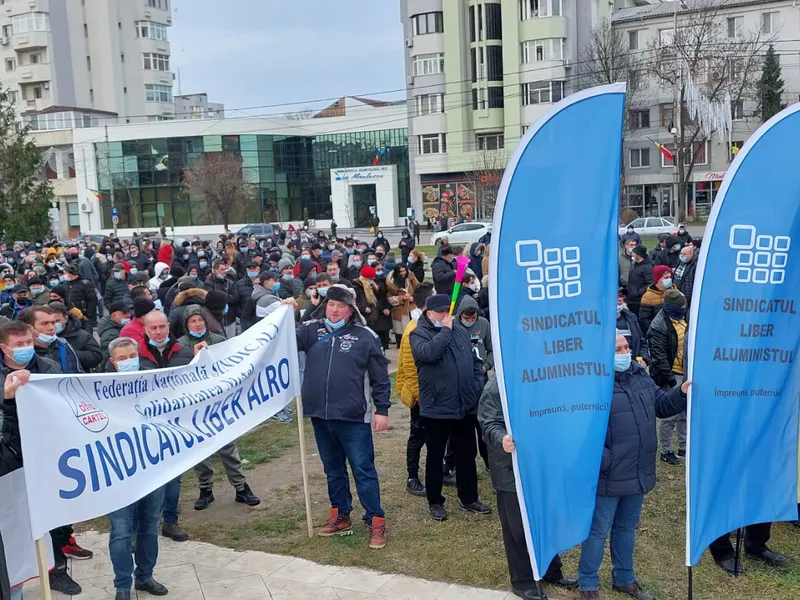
342 356
450 383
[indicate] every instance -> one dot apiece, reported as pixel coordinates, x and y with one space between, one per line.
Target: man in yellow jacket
408 391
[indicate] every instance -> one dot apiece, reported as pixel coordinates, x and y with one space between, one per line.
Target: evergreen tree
770 86
24 194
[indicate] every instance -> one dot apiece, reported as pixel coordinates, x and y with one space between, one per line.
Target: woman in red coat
165 252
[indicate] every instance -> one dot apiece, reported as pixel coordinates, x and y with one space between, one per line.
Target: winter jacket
108 330
182 300
480 333
628 466
407 381
401 305
173 355
684 279
116 290
450 375
652 301
165 254
662 339
444 275
102 266
667 257
493 425
637 340
86 269
11 311
381 241
63 354
410 244
341 366
141 261
684 237
188 340
630 236
133 330
82 295
291 288
625 263
266 301
639 277
156 281
247 306
226 286
84 344
476 252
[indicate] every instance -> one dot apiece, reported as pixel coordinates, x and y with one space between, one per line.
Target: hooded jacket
480 333
116 290
444 275
188 340
266 301
639 277
226 286
185 298
156 281
83 342
493 426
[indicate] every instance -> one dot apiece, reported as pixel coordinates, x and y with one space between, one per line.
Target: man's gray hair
122 342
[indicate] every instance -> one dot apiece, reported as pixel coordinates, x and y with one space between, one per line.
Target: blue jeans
619 515
340 442
172 493
147 513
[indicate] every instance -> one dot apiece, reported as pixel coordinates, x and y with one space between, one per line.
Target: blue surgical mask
54 283
128 365
160 344
333 325
125 321
36 290
225 310
309 292
134 270
323 291
437 324
193 275
52 264
351 250
371 261
277 286
252 274
357 264
468 323
201 253
221 276
61 278
682 258
46 339
619 308
117 275
197 335
287 277
473 287
335 277
242 249
667 283
622 362
23 355
677 247
203 264
59 328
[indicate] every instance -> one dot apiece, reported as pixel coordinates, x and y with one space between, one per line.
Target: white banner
95 443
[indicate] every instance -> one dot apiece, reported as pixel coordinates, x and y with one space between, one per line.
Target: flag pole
44 571
738 554
690 583
303 470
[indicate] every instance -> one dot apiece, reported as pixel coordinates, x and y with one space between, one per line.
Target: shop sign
361 173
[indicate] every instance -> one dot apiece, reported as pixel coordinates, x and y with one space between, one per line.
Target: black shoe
152 587
476 507
681 454
60 581
531 594
120 595
449 479
174 533
414 487
246 496
769 558
670 459
206 498
634 590
438 512
568 583
729 566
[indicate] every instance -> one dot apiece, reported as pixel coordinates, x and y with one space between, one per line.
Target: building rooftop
665 9
339 108
60 109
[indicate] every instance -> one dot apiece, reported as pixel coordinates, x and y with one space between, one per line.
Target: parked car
463 234
261 230
649 226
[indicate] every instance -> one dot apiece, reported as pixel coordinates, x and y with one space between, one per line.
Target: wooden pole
44 571
303 470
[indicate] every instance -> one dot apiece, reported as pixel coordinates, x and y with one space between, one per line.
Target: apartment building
106 55
197 106
479 72
650 179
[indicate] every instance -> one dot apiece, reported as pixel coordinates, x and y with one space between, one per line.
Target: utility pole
114 214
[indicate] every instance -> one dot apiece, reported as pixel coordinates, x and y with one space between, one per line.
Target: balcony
34 73
31 40
151 45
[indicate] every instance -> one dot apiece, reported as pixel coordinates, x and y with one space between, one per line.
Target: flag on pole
97 195
664 150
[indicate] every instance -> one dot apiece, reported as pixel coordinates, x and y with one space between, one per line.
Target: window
124 90
479 98
155 62
737 110
542 92
151 30
735 25
533 9
11 64
429 104
14 96
88 63
640 119
472 23
733 150
7 31
158 93
73 216
541 50
432 143
91 95
769 22
490 141
633 40
37 92
432 22
496 97
494 22
85 30
34 21
160 4
35 59
667 112
494 56
634 80
699 151
640 158
427 64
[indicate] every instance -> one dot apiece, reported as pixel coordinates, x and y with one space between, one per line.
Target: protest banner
744 336
553 289
95 443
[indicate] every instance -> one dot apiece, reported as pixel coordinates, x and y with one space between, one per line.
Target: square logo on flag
551 273
760 259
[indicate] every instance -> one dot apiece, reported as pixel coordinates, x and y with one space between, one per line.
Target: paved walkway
198 571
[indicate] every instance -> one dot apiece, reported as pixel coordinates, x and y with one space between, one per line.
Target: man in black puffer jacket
450 382
669 255
84 344
247 308
684 274
639 277
627 471
501 446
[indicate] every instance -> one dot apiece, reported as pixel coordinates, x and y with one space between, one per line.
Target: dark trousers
461 432
519 561
60 537
416 440
383 336
450 453
755 541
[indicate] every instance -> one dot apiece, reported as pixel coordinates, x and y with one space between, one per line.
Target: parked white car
463 234
650 226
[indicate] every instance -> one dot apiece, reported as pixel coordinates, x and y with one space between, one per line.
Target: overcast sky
248 53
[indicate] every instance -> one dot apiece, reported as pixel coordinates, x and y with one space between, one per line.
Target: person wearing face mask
640 277
400 285
304 299
683 235
81 294
450 381
20 295
85 345
137 258
343 354
9 282
116 286
653 298
265 294
109 328
220 281
666 339
245 285
406 245
160 274
628 325
318 298
354 264
381 241
627 472
684 274
43 320
669 255
626 261
444 271
630 235
290 286
40 294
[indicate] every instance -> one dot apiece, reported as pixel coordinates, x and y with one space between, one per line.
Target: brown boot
634 590
590 595
377 533
337 524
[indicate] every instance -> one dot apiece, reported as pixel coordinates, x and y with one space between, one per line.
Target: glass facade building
287 175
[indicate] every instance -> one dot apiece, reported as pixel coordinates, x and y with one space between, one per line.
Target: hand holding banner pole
303 470
462 262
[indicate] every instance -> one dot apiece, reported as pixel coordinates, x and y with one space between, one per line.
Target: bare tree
300 115
487 167
704 60
218 179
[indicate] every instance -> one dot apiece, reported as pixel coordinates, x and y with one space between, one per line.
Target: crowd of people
135 305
